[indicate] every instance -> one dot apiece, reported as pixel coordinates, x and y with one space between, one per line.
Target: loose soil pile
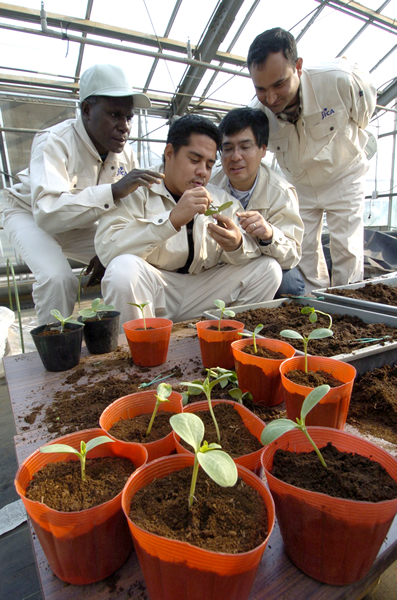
371 292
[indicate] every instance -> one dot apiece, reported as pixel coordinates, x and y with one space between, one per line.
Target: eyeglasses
243 148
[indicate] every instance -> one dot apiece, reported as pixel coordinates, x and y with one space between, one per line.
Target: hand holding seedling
253 223
164 390
192 202
224 311
141 307
97 310
276 428
257 330
225 233
217 464
84 450
63 320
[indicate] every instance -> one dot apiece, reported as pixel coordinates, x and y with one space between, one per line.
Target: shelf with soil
371 292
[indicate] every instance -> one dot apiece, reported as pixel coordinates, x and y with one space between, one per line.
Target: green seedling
97 310
55 313
215 210
217 464
141 307
195 387
312 312
276 428
163 392
84 450
224 311
238 395
257 330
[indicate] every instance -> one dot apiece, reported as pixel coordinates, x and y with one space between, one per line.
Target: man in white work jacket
79 170
159 247
317 119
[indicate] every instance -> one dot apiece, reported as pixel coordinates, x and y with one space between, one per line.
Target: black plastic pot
59 352
102 336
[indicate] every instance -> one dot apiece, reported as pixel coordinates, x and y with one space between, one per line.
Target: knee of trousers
269 266
123 271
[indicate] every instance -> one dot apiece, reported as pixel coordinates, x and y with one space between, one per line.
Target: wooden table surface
277 578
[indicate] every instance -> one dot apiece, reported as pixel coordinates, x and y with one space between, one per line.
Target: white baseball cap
109 80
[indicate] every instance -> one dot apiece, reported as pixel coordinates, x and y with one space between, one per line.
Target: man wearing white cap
78 171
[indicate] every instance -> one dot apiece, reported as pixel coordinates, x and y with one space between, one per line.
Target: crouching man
159 247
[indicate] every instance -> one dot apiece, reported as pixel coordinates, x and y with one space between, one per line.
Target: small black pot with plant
59 344
101 327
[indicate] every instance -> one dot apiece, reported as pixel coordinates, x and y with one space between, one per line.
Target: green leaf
95 304
69 320
195 387
306 310
313 317
225 205
313 398
290 333
59 448
229 313
55 313
185 398
320 333
275 429
258 328
105 308
164 390
236 393
102 439
219 304
209 212
219 466
87 313
189 427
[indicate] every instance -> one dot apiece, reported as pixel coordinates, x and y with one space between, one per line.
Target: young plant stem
194 480
305 431
82 464
305 343
152 419
213 417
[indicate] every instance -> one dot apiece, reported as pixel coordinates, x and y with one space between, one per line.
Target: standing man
317 120
159 247
79 170
270 211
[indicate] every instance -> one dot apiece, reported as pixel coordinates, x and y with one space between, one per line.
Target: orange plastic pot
215 345
332 409
254 424
132 405
330 539
89 545
261 376
174 569
148 347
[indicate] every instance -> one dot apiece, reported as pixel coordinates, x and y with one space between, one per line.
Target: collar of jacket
86 140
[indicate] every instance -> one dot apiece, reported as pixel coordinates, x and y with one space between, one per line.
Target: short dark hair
240 118
181 129
270 42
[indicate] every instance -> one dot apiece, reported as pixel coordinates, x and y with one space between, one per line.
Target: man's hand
97 271
226 234
192 202
133 180
253 223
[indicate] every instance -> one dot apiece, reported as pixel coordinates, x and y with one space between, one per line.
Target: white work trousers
46 256
180 297
343 201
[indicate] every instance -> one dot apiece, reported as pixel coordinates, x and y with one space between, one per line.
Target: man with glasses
269 204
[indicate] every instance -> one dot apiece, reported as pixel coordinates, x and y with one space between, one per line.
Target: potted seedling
335 495
215 339
241 429
59 344
101 327
74 528
257 363
300 374
148 338
201 543
143 417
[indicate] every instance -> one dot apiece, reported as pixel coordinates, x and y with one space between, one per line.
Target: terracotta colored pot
332 409
330 539
102 335
59 352
261 376
132 405
178 570
215 345
148 347
89 545
253 423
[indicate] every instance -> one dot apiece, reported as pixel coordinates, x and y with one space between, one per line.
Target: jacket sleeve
360 99
58 203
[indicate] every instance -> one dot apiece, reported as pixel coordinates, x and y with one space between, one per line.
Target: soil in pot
230 520
371 292
263 352
59 484
236 439
134 430
350 476
55 331
215 328
313 378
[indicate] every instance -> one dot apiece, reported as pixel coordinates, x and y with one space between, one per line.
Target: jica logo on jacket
326 113
121 171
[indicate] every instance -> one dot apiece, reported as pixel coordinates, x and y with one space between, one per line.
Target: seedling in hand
55 313
257 329
217 464
141 307
276 428
224 311
97 310
163 392
84 449
215 210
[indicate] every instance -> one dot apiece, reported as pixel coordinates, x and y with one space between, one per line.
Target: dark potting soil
347 475
263 352
47 332
134 430
347 329
230 520
371 292
215 328
59 485
236 439
373 404
313 378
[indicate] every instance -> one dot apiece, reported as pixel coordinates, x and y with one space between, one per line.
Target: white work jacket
141 225
276 200
67 186
337 100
